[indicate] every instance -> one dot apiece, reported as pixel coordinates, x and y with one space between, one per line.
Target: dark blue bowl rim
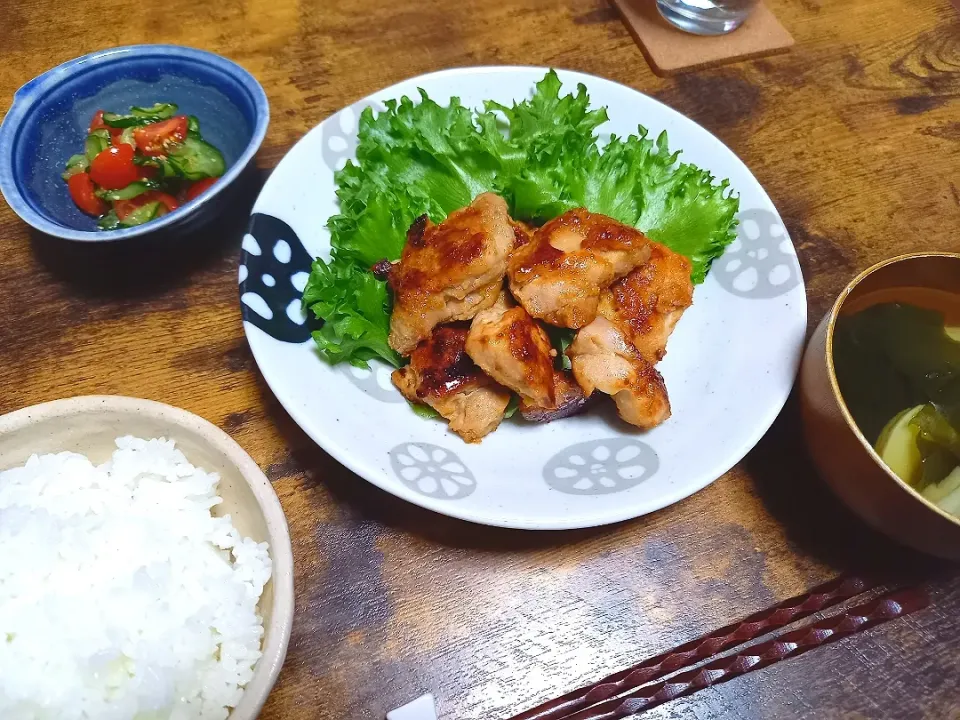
32 91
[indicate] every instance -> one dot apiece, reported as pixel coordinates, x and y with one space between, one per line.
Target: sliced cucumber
130 191
78 161
897 447
76 164
127 137
144 213
97 142
110 221
140 116
195 159
123 121
193 126
953 333
161 163
157 111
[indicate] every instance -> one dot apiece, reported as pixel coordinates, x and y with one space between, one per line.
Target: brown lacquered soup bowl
844 457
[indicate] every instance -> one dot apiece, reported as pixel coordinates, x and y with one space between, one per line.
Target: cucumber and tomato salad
139 166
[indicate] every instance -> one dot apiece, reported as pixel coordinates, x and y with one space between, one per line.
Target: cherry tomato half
156 138
113 168
81 190
169 201
199 187
124 207
98 124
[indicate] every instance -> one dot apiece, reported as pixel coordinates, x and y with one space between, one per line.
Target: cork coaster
669 50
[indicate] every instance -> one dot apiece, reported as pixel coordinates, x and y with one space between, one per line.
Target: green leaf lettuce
542 155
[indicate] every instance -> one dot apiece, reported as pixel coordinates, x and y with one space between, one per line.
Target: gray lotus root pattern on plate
432 471
760 263
339 139
374 381
601 467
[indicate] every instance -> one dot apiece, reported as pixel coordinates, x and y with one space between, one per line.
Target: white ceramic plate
730 365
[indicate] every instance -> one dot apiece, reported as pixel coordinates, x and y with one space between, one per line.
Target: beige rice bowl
121 596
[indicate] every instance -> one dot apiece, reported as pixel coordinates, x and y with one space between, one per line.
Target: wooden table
854 134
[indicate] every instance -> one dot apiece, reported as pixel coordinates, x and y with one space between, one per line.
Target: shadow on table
815 521
145 266
360 501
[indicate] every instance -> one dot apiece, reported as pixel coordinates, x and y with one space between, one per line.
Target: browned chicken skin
617 351
559 274
514 350
623 292
646 304
443 376
604 360
449 271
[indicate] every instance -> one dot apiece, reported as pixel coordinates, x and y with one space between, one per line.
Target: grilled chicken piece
604 360
559 274
514 350
443 376
647 303
449 271
569 400
617 351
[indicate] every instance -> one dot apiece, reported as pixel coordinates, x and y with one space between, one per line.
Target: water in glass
706 17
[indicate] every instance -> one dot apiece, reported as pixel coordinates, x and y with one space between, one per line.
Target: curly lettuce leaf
687 211
355 308
438 150
412 159
558 165
374 216
549 138
543 155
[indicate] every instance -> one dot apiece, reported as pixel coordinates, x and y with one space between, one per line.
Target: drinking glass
706 17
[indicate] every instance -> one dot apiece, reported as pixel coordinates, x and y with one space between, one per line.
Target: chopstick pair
605 700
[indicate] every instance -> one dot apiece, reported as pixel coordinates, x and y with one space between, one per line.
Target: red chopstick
761 623
792 644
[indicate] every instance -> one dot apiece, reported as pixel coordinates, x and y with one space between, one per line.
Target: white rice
121 596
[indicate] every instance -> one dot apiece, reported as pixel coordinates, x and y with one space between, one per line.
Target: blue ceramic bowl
48 123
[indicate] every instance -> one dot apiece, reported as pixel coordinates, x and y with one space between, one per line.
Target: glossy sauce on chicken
648 302
449 272
559 274
443 362
622 292
443 376
514 350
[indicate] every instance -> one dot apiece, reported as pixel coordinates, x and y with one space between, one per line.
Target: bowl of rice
146 570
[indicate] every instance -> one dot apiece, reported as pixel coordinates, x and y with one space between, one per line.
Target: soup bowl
842 454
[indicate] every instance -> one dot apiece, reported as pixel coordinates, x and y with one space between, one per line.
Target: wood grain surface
854 134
